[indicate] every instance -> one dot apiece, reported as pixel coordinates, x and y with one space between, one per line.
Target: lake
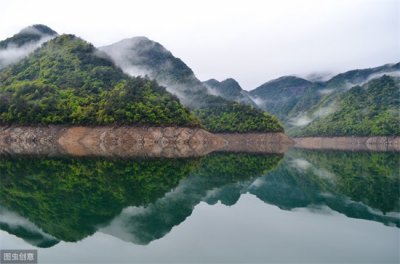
304 206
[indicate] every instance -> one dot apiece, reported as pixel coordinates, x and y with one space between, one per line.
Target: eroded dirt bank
349 143
56 140
108 141
256 142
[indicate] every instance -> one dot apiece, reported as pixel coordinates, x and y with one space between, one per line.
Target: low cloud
134 56
393 73
258 101
318 76
212 90
13 54
16 222
301 164
304 119
326 91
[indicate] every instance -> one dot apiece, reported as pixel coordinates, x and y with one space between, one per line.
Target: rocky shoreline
108 141
256 142
126 141
386 143
170 142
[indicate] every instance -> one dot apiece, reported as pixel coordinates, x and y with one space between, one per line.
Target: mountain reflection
141 200
70 198
362 185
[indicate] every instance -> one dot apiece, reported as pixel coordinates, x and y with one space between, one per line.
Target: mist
304 119
15 222
135 57
12 53
252 43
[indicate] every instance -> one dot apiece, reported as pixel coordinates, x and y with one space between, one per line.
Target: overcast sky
251 41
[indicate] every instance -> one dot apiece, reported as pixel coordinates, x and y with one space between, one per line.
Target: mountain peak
142 56
38 29
232 82
289 78
230 90
15 48
30 35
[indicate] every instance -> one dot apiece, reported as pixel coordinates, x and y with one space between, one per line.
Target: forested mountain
141 56
230 90
68 81
21 44
280 96
299 103
370 109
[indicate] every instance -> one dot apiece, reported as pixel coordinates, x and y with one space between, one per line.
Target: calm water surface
304 206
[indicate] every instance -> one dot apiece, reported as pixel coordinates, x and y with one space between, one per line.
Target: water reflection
70 198
45 200
362 185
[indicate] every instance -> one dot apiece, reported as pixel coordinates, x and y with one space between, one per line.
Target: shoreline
169 142
107 141
133 141
352 143
256 142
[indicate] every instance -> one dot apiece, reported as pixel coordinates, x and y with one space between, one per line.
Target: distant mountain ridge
142 56
368 110
298 102
230 90
281 95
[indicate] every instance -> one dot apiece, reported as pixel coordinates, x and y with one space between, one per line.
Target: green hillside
371 109
304 106
234 117
68 81
141 56
280 96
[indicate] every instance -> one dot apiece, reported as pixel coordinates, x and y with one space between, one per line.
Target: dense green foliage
299 103
68 81
370 110
141 55
70 198
235 117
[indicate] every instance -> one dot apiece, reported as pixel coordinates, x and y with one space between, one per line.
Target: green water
304 206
